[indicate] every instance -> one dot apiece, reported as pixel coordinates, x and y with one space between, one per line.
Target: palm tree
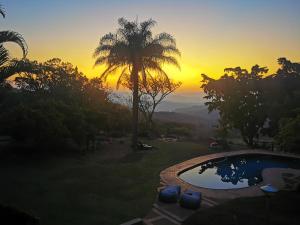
134 51
10 67
2 12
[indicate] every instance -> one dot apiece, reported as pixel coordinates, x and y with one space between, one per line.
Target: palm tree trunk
135 107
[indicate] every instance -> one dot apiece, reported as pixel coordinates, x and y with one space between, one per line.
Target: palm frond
110 69
122 22
144 76
145 29
165 38
155 49
15 67
120 53
11 36
102 49
107 39
147 25
155 67
4 56
170 49
168 60
2 11
121 78
100 61
127 31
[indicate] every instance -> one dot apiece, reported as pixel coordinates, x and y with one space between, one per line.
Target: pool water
235 171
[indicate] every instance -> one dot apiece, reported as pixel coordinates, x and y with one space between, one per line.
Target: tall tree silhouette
134 51
151 94
10 67
238 97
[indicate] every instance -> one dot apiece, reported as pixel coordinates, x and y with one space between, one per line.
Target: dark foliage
135 51
256 104
12 216
56 103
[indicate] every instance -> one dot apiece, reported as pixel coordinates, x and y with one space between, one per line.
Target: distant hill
177 118
190 115
200 111
182 100
185 108
172 102
171 106
197 116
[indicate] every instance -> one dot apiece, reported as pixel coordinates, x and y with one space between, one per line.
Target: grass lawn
108 186
284 209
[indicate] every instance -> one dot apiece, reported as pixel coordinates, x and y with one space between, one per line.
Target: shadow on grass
284 209
108 186
132 157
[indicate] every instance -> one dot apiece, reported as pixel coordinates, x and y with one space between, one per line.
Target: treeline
257 104
55 103
53 100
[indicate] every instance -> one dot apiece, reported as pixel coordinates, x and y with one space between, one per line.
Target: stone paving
169 176
173 214
283 179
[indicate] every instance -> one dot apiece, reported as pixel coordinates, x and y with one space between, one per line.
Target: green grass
284 209
108 186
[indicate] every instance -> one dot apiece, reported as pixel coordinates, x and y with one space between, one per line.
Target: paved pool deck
173 214
170 176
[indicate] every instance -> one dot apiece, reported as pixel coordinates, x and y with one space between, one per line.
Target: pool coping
170 176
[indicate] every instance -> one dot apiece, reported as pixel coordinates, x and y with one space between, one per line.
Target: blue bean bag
190 199
169 194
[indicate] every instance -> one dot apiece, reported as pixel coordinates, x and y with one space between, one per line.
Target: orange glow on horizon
211 35
192 64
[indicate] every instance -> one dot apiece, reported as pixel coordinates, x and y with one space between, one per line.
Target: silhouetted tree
133 50
151 94
10 67
54 102
237 96
282 94
289 136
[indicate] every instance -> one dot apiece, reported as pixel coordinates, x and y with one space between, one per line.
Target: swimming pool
237 171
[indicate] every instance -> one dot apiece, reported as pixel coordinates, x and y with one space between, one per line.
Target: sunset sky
211 35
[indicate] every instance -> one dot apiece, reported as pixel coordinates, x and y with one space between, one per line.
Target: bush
58 103
288 136
12 216
41 121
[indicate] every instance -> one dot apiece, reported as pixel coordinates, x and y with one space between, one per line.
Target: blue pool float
190 199
169 194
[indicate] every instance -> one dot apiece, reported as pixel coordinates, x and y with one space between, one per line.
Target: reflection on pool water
235 171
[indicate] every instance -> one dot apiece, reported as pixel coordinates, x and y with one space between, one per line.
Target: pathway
172 214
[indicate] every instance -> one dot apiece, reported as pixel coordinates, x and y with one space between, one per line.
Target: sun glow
212 37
